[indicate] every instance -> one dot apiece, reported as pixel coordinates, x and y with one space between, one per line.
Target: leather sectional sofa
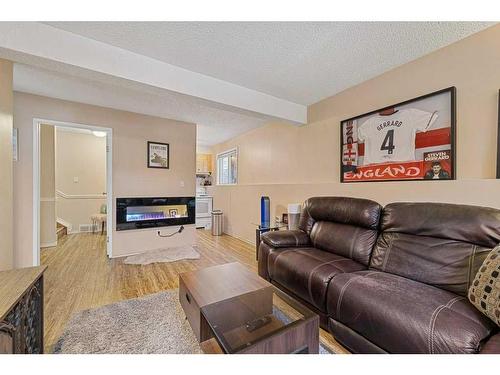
388 279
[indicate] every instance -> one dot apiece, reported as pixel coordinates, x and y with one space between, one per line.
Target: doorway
83 192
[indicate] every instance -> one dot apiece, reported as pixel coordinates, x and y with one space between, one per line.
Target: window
227 167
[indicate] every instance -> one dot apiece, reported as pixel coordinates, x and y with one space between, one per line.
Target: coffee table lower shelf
232 310
211 346
301 339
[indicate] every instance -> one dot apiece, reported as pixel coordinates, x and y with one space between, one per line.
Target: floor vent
85 228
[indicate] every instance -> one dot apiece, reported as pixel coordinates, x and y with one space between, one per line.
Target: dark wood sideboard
21 310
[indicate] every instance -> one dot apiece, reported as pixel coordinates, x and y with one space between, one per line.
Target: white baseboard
67 224
48 244
250 242
79 227
97 232
84 232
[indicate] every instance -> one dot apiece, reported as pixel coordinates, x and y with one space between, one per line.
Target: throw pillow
484 292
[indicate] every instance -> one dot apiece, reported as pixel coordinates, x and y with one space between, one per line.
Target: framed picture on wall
158 155
408 141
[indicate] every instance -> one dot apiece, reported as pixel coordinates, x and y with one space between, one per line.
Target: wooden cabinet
21 311
203 163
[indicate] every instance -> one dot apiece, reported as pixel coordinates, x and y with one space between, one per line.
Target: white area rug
171 254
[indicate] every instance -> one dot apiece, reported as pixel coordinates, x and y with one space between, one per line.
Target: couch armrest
492 346
286 238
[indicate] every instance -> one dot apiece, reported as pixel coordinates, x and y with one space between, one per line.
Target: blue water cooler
265 212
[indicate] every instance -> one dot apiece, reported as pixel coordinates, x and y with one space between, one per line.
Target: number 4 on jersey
388 143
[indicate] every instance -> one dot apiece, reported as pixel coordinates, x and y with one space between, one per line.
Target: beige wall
80 155
292 163
83 156
130 176
47 186
6 248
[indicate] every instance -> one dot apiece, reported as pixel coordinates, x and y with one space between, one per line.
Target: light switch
182 184
75 180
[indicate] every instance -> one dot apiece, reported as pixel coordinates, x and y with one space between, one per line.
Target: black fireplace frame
123 203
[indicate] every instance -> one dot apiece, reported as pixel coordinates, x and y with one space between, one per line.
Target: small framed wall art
412 140
158 155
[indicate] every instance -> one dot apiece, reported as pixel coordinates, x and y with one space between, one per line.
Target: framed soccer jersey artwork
412 140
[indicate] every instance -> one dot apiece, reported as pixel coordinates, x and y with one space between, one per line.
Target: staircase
61 231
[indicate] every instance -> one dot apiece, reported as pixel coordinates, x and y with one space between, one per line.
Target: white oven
203 211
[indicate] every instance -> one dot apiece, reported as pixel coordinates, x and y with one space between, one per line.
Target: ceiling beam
49 43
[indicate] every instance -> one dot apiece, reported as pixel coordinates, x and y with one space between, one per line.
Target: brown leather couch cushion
472 224
438 244
353 211
343 226
400 315
447 264
264 251
346 240
286 238
307 271
352 340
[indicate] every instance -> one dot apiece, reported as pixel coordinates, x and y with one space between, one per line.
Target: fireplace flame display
137 213
141 213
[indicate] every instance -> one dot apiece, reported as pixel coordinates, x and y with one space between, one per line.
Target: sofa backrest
343 226
436 243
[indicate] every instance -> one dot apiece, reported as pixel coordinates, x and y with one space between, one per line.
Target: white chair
99 219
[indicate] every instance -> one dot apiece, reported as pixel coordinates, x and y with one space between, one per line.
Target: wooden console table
21 311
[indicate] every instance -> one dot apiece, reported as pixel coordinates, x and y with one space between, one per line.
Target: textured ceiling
302 62
299 62
214 125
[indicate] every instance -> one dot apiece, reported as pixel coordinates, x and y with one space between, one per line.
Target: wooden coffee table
233 310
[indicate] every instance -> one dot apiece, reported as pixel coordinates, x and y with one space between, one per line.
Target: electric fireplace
137 213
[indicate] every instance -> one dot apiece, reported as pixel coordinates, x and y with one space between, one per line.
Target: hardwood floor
80 276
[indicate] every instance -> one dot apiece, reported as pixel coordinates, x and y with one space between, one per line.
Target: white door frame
36 181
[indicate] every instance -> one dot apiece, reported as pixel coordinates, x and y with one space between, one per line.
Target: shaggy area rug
171 254
152 324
